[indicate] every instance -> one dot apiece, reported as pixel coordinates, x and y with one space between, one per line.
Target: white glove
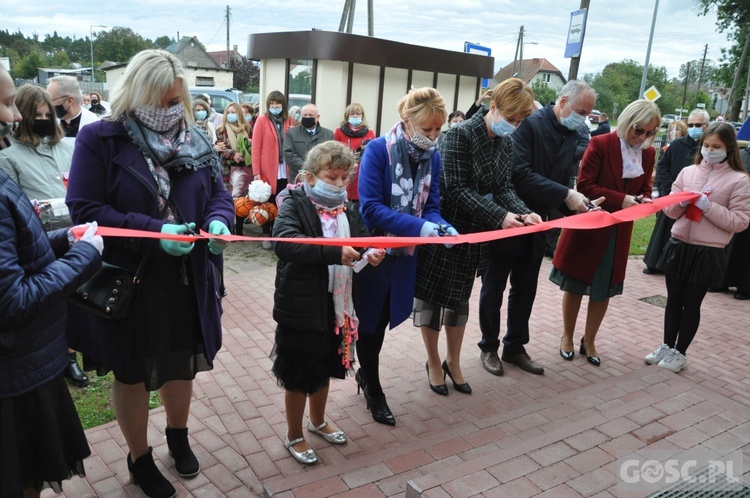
90 237
576 201
702 203
429 229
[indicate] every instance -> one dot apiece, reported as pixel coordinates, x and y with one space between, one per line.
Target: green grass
641 234
94 403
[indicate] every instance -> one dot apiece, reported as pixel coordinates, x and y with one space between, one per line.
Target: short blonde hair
328 155
638 113
513 98
351 109
148 77
681 127
422 105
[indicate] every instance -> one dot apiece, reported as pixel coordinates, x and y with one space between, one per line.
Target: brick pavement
519 435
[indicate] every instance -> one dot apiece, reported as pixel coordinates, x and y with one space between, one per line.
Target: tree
28 66
543 93
163 42
119 44
301 83
246 75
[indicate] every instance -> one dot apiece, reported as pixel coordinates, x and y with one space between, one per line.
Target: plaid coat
473 167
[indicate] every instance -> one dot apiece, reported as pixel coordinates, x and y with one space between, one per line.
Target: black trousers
368 351
523 271
683 313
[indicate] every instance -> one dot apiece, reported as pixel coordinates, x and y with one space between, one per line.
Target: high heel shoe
336 437
594 360
442 389
567 355
462 388
307 457
379 408
361 384
143 473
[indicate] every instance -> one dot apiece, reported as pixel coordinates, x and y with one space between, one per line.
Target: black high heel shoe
462 388
567 355
361 384
442 389
379 408
594 360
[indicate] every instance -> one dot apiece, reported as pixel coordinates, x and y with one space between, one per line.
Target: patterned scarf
333 220
232 132
632 160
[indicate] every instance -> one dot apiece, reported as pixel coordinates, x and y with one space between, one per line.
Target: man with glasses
544 154
68 101
680 153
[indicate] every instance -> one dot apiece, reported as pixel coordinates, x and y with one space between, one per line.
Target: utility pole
648 51
684 92
347 16
747 95
370 19
515 57
737 78
576 61
703 63
520 60
229 61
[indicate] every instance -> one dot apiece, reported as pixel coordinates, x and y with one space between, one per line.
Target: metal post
684 92
648 51
703 63
520 62
350 21
576 61
370 19
228 63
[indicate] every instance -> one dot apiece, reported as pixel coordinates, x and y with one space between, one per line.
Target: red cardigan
579 252
353 143
266 148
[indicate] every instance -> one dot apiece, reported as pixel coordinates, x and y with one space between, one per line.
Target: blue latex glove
216 227
450 231
429 229
174 247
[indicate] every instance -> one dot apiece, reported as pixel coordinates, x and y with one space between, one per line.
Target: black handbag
109 292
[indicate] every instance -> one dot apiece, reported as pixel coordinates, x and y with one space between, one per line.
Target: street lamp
91 39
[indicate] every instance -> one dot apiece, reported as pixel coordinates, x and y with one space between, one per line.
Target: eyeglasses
60 97
640 131
696 125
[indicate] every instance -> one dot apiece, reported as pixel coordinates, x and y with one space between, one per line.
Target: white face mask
714 156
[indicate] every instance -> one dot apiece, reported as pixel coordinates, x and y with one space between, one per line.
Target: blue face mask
201 115
696 132
248 118
574 121
502 128
327 194
232 117
355 121
275 110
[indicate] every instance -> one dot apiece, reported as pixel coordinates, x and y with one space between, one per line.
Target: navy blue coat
110 182
37 272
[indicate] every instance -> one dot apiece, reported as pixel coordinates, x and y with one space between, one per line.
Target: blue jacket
396 273
110 182
37 273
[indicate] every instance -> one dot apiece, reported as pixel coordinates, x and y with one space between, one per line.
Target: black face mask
308 122
60 110
94 101
44 127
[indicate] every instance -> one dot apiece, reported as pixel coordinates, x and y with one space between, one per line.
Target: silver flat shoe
337 437
307 457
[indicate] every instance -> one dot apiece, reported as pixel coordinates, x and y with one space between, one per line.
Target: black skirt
42 442
695 264
304 359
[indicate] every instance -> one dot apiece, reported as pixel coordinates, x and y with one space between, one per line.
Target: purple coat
110 183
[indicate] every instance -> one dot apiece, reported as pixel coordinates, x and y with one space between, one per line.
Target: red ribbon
584 221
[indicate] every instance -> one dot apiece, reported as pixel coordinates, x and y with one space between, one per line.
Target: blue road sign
473 48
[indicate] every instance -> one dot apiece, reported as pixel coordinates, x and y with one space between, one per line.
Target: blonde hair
28 97
148 77
513 98
638 114
681 127
351 109
422 105
328 155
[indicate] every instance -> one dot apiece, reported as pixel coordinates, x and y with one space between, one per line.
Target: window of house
204 81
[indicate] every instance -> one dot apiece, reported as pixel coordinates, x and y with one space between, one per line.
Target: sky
615 30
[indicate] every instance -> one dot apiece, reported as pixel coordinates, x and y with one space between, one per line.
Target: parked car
252 98
220 98
299 99
667 118
594 116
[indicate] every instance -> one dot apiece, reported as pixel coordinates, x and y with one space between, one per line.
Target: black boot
179 448
379 408
143 473
74 373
